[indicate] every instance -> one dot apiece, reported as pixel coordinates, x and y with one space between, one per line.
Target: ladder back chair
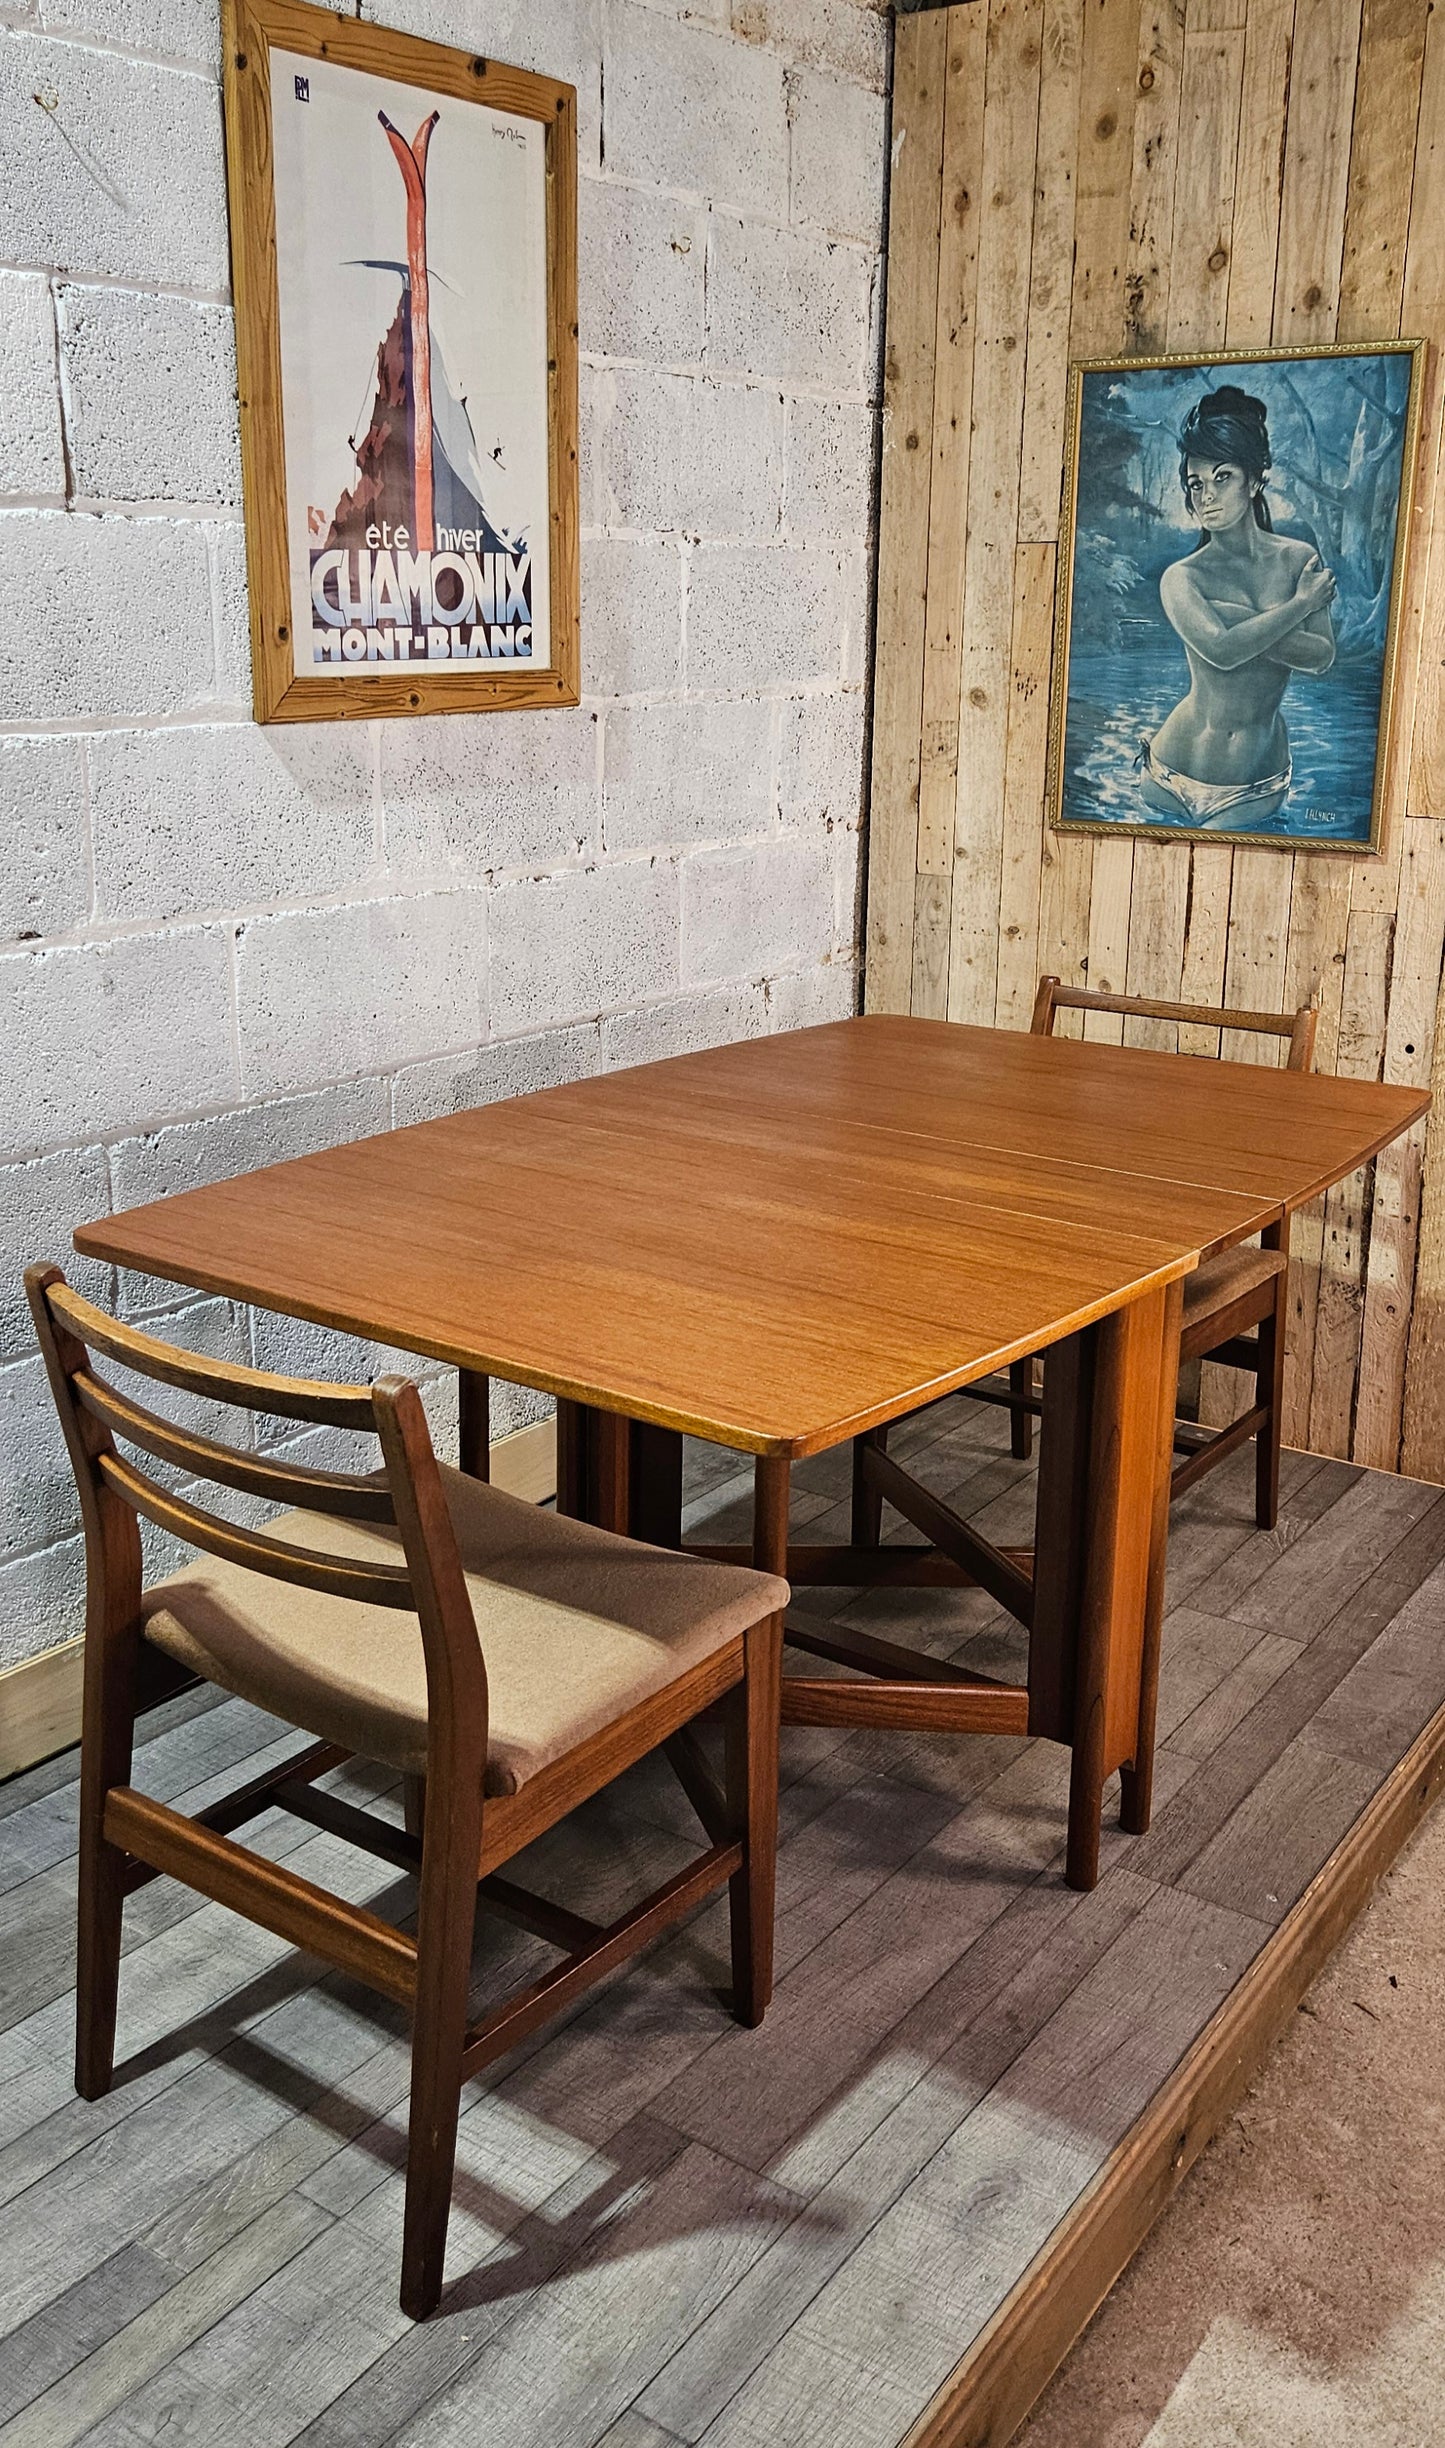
1226 1295
514 1661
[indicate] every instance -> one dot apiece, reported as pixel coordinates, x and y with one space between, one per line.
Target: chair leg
752 1802
867 1524
107 1736
97 1982
1021 1422
451 1848
1269 1383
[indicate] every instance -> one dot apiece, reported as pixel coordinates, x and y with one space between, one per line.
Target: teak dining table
784 1244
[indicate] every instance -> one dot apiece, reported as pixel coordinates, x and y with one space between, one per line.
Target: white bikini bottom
1205 800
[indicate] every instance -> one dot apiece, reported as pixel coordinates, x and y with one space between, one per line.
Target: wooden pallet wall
1077 178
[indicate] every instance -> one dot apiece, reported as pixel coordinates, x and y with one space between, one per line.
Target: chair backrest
97 1418
1299 1027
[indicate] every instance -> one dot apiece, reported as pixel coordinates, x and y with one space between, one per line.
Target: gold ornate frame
1205 362
280 693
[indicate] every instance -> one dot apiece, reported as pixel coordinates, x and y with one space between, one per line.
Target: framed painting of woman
1230 569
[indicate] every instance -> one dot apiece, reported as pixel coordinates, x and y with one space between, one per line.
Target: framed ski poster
404 257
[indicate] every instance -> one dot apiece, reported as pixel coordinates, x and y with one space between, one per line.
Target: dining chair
1227 1294
515 1661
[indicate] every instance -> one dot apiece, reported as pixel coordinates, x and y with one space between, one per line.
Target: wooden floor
667 2229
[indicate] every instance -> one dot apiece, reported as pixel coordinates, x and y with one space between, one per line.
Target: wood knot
1218 259
1104 128
1146 80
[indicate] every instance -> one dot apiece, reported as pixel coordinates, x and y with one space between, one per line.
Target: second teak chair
1227 1294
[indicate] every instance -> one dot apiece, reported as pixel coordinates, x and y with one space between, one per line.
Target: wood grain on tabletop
681 1241
570 1241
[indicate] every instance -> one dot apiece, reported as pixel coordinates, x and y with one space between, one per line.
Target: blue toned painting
1235 535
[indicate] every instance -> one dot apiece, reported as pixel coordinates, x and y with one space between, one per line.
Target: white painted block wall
221 945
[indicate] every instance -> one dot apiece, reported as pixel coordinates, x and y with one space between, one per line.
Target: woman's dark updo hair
1228 424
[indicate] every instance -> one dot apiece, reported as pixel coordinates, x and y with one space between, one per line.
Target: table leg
474 1418
1136 1780
867 1509
772 1479
1119 1535
655 1485
574 1444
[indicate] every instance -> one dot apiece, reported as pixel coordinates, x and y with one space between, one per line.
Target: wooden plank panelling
908 361
1151 174
1015 32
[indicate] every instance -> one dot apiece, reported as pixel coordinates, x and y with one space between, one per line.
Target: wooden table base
1090 1591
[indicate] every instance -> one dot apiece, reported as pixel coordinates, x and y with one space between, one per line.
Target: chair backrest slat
331 1406
1299 1026
407 1494
334 1492
337 1576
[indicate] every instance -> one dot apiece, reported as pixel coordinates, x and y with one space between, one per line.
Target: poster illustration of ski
409 383
414 365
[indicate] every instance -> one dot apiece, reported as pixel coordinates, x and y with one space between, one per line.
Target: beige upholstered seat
576 1626
1218 1281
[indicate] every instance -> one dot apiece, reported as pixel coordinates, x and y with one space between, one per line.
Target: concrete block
42 1601
150 389
94 183
839 155
678 452
185 30
690 109
44 883
848 36
631 616
573 946
160 1164
846 842
746 913
685 773
40 1205
828 470
820 758
334 1449
37 1487
516 1067
294 1347
332 993
218 1330
787 304
98 1038
694 12
561 40
220 816
688 1024
765 616
38 1501
810 998
472 794
225 543
641 280
102 615
32 457
517 1406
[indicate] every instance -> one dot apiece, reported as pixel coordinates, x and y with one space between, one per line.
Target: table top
778 1243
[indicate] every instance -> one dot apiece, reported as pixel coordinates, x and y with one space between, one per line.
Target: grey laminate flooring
667 2229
